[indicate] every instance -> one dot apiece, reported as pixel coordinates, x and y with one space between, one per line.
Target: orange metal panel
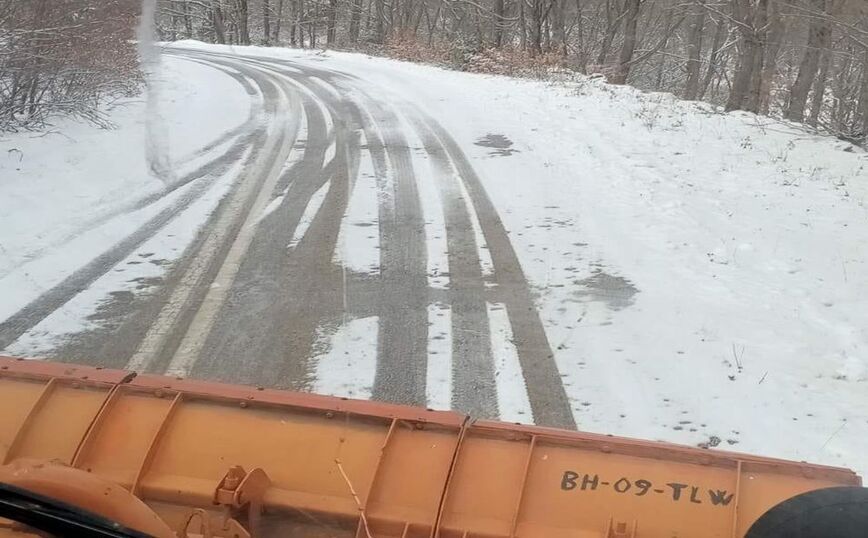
47 409
579 482
43 370
411 477
118 441
309 402
57 427
348 468
18 398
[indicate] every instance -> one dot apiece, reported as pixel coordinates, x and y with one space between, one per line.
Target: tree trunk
749 54
694 51
379 20
863 99
241 14
293 23
714 58
559 27
188 22
499 10
743 74
760 25
612 23
820 88
819 38
432 25
331 22
580 38
278 22
370 5
536 22
664 43
622 71
299 22
219 25
311 27
773 40
266 22
355 20
423 12
839 91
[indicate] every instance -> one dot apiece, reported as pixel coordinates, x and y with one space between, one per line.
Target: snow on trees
804 60
64 57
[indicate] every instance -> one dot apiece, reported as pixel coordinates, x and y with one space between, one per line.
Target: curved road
250 295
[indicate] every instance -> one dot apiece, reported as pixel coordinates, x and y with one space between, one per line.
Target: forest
803 60
800 60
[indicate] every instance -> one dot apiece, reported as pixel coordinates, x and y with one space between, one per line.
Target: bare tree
631 23
819 38
694 50
794 58
218 21
64 58
266 22
750 19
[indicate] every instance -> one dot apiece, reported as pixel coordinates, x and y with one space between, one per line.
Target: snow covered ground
701 276
71 192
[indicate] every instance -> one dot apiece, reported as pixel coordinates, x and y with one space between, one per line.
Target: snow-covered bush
64 57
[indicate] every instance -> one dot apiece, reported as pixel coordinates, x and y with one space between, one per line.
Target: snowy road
266 273
284 278
562 253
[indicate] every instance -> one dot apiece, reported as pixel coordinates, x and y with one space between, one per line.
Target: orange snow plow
148 455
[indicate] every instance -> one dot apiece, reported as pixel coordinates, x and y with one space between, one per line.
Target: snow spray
156 130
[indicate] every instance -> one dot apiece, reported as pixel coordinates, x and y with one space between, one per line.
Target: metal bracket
200 525
239 487
620 529
240 494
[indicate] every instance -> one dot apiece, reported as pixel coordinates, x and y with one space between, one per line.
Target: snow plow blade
221 460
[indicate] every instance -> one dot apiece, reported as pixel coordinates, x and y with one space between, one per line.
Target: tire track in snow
400 293
54 298
241 129
141 339
313 254
156 326
401 300
203 320
401 296
208 171
402 356
177 335
548 398
282 294
474 389
280 297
